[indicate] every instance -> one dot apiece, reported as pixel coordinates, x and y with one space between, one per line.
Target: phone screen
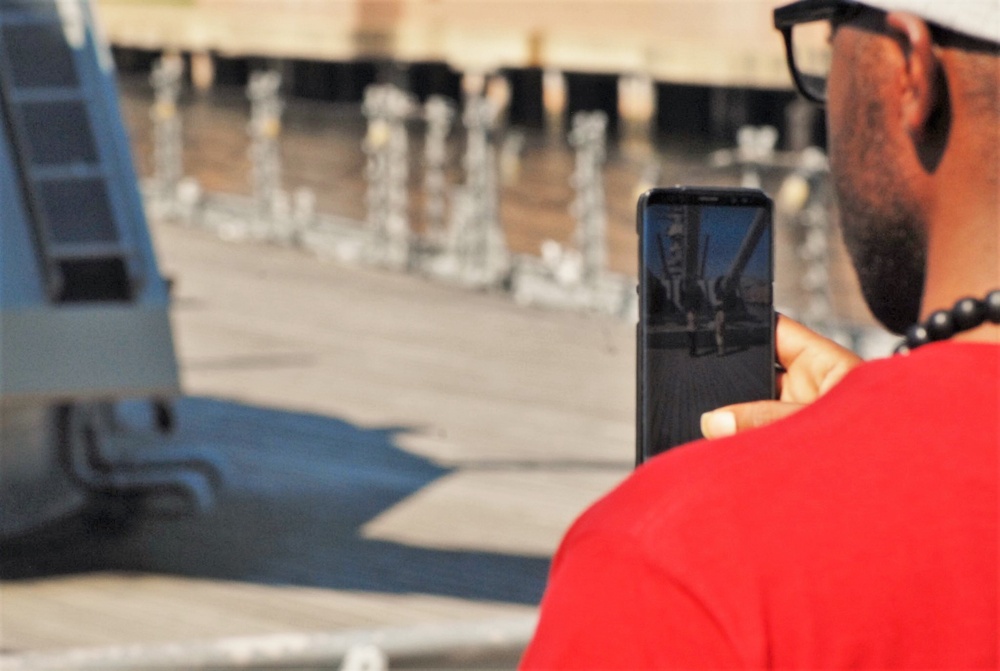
706 318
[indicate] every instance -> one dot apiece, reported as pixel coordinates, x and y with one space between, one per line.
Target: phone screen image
706 319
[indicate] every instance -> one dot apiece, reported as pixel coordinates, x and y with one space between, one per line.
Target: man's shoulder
823 522
873 419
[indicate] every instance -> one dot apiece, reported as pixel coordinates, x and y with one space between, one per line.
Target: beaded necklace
965 315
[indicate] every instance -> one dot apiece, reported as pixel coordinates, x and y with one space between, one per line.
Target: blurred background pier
399 456
321 148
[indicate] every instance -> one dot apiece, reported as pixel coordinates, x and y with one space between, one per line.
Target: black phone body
705 336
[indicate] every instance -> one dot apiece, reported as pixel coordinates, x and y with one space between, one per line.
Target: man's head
905 84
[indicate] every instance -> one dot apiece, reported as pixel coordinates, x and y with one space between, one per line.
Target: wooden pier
395 452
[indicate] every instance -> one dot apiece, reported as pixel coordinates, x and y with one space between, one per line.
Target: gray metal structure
83 308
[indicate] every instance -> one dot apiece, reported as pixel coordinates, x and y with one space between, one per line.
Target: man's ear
920 94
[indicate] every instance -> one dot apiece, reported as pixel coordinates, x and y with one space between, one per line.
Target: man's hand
812 366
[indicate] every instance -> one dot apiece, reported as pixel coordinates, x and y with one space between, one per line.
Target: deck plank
395 452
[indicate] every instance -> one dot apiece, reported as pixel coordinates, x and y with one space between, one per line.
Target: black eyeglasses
807 27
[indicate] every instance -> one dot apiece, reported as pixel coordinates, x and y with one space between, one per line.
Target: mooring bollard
477 241
168 149
755 148
814 218
588 136
439 115
387 107
265 130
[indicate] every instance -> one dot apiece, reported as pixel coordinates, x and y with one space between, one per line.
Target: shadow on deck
298 489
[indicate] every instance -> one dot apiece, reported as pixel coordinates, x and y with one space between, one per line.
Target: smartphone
705 336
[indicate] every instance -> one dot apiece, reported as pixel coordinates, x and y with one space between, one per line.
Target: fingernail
718 424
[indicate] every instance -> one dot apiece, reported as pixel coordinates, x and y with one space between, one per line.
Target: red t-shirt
860 532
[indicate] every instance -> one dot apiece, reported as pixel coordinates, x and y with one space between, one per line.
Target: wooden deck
395 453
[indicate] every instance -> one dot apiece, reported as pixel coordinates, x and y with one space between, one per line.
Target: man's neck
963 258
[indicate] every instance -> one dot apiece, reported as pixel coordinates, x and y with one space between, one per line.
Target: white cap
977 18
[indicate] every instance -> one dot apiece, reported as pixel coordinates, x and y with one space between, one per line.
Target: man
861 529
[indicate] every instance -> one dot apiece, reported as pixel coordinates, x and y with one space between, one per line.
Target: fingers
793 340
733 419
836 372
812 364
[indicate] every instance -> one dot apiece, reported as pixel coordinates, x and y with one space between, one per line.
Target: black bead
968 313
993 306
916 336
940 325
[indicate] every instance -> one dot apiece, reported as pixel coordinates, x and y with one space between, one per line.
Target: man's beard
882 227
888 250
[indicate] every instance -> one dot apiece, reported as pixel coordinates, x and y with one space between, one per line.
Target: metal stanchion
168 167
588 137
265 129
386 107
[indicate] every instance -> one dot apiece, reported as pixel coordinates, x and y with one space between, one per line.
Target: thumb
734 419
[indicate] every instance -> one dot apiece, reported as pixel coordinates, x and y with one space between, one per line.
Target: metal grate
50 118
